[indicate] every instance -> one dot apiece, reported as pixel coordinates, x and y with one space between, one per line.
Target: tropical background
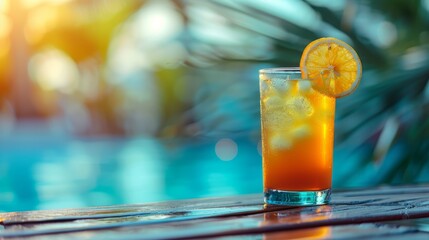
119 102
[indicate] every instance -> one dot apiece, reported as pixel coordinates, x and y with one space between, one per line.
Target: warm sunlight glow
54 70
4 5
5 26
158 21
34 3
40 21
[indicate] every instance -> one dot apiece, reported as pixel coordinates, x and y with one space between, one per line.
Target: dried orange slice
332 65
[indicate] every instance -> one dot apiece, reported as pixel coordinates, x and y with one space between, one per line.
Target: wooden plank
356 231
296 218
212 206
376 196
286 220
238 216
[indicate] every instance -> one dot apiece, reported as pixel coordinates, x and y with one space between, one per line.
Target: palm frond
394 87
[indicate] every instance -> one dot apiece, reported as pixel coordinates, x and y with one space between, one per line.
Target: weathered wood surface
351 214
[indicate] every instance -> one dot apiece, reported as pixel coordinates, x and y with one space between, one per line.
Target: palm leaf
394 87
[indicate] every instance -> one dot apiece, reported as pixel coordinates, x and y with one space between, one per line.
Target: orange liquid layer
306 163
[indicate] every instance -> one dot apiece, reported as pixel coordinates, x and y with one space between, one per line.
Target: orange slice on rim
333 67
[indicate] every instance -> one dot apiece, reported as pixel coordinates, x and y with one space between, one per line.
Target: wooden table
378 213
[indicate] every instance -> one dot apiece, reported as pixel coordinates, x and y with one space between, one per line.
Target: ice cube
279 141
274 102
281 85
275 114
277 120
304 86
301 131
299 107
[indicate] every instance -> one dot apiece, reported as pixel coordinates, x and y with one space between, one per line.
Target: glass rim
280 70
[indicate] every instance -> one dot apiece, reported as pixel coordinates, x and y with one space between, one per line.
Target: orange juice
297 138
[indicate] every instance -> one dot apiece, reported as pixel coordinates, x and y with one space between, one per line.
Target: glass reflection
291 217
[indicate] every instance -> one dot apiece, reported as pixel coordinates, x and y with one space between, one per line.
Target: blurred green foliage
386 121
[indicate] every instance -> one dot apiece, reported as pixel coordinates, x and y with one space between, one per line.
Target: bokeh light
5 26
54 70
226 149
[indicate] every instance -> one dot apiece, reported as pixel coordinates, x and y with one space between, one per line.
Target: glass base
297 198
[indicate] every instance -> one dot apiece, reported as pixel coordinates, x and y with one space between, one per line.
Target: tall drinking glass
297 139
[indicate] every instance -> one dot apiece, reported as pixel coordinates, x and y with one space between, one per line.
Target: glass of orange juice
297 125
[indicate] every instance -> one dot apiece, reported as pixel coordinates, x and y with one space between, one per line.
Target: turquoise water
56 172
